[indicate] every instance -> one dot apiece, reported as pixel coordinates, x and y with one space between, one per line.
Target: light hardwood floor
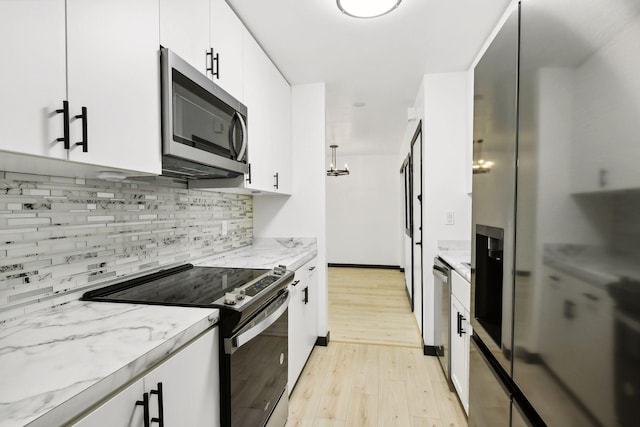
372 373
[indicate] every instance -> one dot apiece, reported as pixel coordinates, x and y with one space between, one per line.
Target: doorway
416 234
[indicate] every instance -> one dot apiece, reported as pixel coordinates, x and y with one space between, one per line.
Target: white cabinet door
32 77
460 351
184 29
226 41
113 71
281 131
303 324
190 384
257 69
120 410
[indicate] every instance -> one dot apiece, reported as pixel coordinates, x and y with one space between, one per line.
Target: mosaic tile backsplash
61 236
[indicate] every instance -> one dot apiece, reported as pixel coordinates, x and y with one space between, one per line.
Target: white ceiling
377 61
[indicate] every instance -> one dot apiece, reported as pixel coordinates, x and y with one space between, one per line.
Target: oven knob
240 293
229 298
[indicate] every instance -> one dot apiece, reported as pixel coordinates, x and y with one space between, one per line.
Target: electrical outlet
225 228
450 220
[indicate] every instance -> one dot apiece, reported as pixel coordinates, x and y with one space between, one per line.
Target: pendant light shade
367 8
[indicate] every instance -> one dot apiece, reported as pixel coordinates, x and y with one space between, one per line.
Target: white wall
443 105
303 213
364 211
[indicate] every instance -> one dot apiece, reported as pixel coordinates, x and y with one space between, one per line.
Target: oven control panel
237 296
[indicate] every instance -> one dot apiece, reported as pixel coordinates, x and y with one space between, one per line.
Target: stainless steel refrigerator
556 214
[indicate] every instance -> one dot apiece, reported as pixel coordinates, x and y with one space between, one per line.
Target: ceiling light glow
367 8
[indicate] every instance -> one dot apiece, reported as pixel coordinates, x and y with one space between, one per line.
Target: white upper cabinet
101 56
184 29
268 99
113 71
226 41
32 77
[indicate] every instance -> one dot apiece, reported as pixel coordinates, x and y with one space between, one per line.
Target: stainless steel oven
255 364
253 306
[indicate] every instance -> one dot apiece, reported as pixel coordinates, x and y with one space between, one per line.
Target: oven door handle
234 343
441 274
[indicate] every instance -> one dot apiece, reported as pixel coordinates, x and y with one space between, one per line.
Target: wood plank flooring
372 373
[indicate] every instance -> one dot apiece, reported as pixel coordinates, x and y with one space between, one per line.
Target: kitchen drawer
461 289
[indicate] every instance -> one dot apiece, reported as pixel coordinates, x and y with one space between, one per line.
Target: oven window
259 375
201 120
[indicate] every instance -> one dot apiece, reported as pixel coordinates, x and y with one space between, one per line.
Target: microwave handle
240 154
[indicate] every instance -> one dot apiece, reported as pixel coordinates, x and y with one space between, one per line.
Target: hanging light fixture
481 165
367 8
332 171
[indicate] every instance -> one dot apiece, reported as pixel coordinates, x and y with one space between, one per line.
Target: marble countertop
456 253
592 264
267 253
55 363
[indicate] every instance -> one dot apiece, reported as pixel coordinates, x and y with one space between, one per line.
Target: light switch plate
450 220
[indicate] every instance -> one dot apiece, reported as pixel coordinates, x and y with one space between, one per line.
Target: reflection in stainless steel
578 210
495 84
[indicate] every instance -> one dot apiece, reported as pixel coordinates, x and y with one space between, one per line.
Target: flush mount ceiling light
367 8
332 171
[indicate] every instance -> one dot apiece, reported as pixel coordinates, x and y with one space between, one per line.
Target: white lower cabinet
190 391
303 314
460 337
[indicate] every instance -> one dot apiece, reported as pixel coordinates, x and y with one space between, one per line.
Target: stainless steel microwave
204 129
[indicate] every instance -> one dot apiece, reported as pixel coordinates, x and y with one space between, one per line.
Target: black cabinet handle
591 296
160 418
462 319
65 124
603 178
248 179
276 183
418 243
85 134
458 327
313 267
569 311
295 282
215 64
145 404
306 295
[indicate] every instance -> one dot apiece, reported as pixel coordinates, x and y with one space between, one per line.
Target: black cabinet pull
65 124
276 184
215 64
462 319
459 325
160 418
248 179
418 243
145 404
295 282
569 311
591 296
313 267
85 138
306 295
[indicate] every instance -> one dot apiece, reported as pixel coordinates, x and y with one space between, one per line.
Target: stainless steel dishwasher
442 315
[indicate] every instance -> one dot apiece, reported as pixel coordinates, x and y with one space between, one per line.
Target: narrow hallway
373 372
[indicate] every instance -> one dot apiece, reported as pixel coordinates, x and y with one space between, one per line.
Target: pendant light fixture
332 171
367 8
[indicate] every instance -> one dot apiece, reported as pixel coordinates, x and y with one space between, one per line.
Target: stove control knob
230 299
240 293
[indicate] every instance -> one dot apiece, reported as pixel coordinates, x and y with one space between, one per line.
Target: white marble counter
49 358
592 264
456 253
267 253
54 363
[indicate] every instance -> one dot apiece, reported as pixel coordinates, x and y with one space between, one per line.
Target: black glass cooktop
185 286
